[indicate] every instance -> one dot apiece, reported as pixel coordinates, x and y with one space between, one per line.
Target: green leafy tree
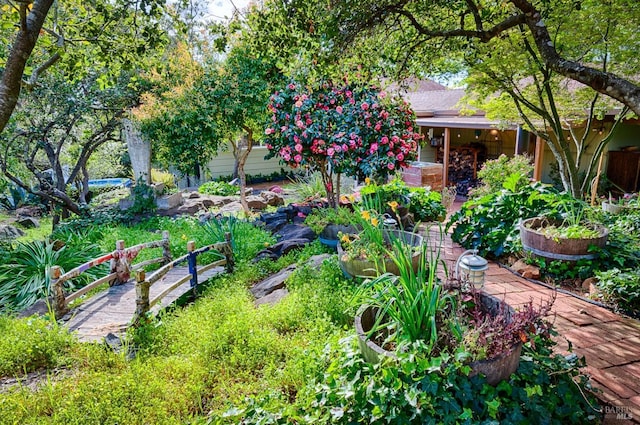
78 37
564 114
56 130
528 51
444 32
237 92
174 117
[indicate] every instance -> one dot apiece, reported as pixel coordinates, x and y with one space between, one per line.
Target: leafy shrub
324 292
30 344
96 218
164 177
246 239
495 172
259 177
623 244
489 224
144 199
419 388
14 197
309 186
25 278
321 217
622 287
218 188
101 191
424 204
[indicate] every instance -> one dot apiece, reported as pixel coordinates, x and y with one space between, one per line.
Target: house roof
437 106
435 102
472 121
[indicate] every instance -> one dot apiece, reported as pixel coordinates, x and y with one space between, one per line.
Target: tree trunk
242 159
21 49
139 152
83 190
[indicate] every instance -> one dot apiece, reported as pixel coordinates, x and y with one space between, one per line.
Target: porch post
445 158
538 157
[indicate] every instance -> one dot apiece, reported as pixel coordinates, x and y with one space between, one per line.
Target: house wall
625 135
222 165
494 141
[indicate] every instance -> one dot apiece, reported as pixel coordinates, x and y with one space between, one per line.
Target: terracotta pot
567 249
495 369
366 268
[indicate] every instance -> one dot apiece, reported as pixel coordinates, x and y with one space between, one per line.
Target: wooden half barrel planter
495 369
566 249
367 268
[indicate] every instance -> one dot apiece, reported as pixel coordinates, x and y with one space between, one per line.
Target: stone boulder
291 236
526 270
273 199
28 222
200 203
296 231
29 211
8 232
232 207
256 202
274 221
272 289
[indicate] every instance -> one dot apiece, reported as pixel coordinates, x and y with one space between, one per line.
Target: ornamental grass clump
409 307
415 310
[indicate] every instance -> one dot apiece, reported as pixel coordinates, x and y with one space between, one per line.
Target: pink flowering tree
353 130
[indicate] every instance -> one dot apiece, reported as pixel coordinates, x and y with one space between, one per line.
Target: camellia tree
354 130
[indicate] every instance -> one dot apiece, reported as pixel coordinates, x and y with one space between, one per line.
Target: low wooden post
166 249
228 253
192 260
142 294
120 265
60 303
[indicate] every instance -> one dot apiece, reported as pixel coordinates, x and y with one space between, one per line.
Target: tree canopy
77 37
570 37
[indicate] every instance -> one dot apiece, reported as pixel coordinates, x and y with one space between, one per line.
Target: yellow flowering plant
369 243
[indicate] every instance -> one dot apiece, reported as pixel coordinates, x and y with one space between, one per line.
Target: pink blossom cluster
358 130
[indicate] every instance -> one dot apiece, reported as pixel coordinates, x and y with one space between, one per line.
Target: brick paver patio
609 342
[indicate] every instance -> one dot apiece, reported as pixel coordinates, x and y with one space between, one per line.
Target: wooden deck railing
121 268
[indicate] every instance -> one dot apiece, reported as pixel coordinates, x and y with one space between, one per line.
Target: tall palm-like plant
24 279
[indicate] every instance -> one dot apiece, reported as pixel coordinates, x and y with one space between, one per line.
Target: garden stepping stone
273 297
272 283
